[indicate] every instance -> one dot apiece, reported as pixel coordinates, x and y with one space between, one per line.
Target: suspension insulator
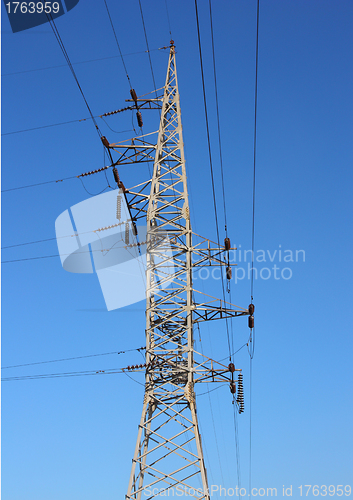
139 119
133 95
127 233
116 175
229 273
122 187
231 367
227 243
118 207
233 388
134 229
105 141
251 321
251 309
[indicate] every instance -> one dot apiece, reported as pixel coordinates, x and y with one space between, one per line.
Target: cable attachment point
251 317
133 96
134 228
227 244
232 385
105 142
139 119
127 233
89 173
240 397
116 175
231 367
118 207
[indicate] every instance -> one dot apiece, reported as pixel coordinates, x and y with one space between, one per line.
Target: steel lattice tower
168 452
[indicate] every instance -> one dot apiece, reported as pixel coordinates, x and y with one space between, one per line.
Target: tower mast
168 452
169 428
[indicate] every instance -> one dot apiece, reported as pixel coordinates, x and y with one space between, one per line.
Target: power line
67 58
109 113
211 390
148 50
59 180
98 230
170 29
137 382
63 123
116 39
250 430
237 453
61 255
218 124
79 62
252 339
210 158
255 141
38 184
215 435
29 258
29 243
221 164
70 359
109 371
94 194
38 128
211 410
233 354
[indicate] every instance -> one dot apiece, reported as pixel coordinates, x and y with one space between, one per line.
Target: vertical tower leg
168 453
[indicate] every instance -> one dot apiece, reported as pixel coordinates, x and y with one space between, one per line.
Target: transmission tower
168 452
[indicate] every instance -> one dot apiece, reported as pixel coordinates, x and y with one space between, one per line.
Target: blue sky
73 438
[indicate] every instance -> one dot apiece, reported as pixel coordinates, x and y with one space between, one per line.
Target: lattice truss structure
168 451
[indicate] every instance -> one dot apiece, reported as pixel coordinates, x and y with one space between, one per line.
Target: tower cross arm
148 103
209 257
209 311
208 370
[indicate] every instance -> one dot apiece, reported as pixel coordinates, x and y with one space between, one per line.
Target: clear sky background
73 438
